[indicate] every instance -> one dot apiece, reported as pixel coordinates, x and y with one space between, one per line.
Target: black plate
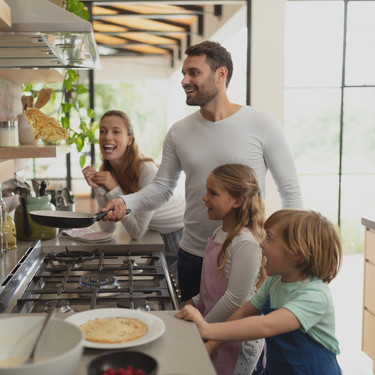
122 359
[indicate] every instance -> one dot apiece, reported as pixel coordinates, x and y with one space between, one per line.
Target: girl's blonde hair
128 176
240 181
311 239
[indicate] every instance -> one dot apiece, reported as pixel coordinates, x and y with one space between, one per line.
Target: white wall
267 69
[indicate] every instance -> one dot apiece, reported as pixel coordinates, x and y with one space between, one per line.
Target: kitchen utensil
27 101
138 360
66 219
59 350
43 186
43 98
31 357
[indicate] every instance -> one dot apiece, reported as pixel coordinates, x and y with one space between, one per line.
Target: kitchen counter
368 222
179 351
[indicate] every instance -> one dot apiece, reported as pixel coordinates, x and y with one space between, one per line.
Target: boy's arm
250 328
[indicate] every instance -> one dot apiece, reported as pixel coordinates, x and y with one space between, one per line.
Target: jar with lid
9 133
26 228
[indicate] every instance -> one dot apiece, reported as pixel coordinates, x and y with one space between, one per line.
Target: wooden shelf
31 152
31 75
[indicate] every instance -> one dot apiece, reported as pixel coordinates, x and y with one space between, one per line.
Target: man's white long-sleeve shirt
197 146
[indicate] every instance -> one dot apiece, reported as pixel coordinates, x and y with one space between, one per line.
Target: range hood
44 35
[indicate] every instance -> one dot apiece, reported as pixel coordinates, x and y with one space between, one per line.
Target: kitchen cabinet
368 322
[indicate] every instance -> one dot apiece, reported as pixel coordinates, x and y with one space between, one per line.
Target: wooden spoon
29 101
43 98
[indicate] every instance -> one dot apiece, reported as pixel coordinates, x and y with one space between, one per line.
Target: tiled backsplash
10 100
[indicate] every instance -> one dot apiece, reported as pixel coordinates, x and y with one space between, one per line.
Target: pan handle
99 215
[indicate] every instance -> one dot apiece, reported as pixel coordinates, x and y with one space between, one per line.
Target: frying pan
66 219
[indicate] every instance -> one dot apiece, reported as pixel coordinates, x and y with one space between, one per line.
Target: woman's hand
89 173
104 178
188 312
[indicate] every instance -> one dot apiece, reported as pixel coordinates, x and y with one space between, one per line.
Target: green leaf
79 144
66 107
73 75
82 89
65 122
82 161
67 85
90 113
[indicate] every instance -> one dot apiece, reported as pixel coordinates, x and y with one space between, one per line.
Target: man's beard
204 94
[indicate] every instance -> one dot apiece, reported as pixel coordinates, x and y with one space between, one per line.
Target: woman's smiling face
114 138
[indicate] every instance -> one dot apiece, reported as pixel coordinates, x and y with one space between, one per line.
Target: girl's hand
188 312
104 178
89 173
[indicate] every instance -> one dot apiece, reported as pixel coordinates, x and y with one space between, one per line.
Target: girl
232 258
303 252
125 170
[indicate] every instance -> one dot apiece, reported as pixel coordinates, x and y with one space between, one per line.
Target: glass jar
9 133
26 228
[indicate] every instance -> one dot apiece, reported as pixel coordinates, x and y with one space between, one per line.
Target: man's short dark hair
216 56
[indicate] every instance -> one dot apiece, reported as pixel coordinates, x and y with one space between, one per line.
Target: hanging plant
71 101
71 98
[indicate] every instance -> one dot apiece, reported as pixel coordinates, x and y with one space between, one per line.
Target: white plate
155 326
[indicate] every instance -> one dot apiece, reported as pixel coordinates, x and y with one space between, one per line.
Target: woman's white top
166 219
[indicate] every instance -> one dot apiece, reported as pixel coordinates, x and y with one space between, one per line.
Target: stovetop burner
98 279
72 257
61 305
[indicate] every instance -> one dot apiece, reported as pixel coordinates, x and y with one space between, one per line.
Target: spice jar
9 133
26 228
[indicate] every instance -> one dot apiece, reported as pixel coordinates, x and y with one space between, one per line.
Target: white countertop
179 351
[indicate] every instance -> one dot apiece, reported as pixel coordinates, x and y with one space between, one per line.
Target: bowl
118 359
58 352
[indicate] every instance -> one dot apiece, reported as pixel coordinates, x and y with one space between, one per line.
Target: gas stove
75 280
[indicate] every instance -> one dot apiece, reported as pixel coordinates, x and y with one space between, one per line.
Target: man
220 132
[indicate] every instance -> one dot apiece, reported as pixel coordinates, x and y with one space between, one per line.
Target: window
329 111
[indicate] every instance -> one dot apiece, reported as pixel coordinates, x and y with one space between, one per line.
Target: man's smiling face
199 82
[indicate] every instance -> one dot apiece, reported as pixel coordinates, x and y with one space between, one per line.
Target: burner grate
100 279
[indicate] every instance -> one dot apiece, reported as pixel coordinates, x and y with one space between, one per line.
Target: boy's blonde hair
240 181
311 239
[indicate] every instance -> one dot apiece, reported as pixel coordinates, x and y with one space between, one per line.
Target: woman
125 170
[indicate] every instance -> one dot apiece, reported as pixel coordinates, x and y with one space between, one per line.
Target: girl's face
113 138
219 202
277 261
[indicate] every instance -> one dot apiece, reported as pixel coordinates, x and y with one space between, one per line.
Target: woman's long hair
128 175
240 181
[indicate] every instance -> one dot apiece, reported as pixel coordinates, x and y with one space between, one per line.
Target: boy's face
273 250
